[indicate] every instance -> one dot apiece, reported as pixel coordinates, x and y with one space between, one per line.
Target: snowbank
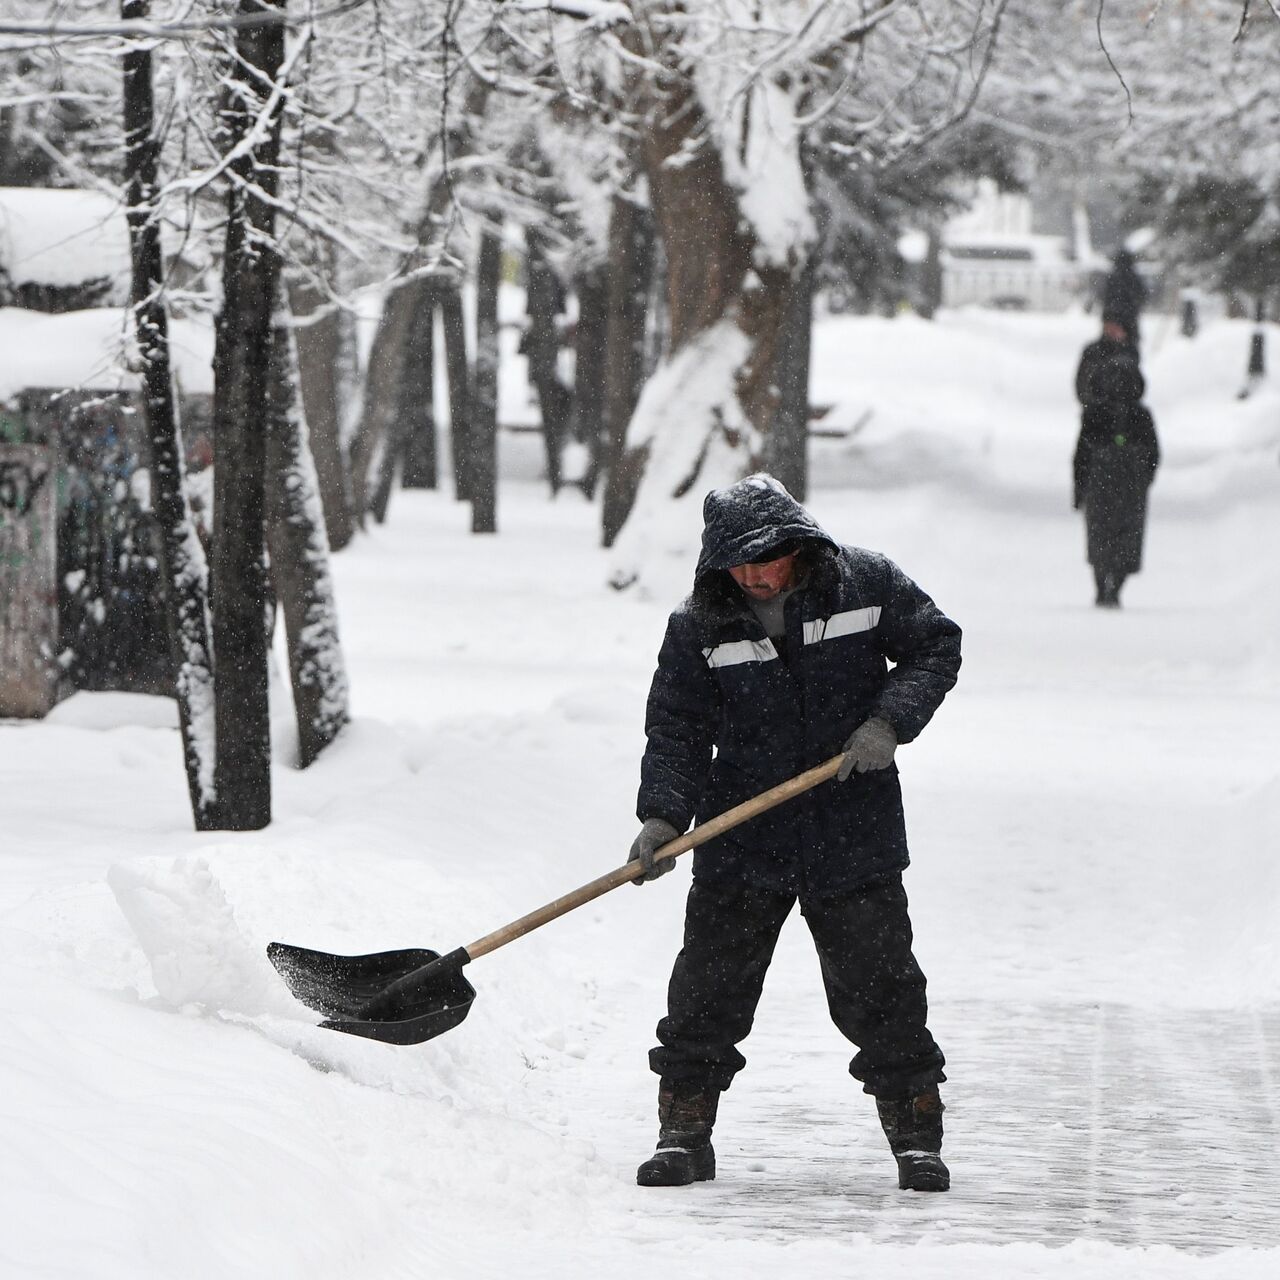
983 400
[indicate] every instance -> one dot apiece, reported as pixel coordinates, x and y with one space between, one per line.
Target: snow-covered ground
1095 816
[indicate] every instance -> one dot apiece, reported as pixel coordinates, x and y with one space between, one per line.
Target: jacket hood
744 522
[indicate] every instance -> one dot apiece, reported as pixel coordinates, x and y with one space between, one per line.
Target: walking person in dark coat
778 660
1115 462
1124 294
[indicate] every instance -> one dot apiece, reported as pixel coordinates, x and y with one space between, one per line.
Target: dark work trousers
875 988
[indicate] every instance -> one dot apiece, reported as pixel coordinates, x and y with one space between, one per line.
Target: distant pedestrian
1124 294
1115 462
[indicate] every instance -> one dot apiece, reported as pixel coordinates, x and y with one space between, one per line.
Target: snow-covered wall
62 238
90 350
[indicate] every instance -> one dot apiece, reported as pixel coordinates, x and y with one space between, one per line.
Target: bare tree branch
1102 44
174 30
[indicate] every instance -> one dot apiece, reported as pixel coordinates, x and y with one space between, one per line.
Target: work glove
653 835
870 746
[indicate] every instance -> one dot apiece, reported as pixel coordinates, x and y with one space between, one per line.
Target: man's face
764 580
1116 332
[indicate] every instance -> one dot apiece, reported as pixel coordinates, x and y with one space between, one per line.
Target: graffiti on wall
112 632
20 482
28 594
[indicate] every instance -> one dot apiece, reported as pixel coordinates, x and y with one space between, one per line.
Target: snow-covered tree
182 563
299 556
1169 106
209 163
1172 101
406 125
727 96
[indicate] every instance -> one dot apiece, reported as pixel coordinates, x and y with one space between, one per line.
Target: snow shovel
406 997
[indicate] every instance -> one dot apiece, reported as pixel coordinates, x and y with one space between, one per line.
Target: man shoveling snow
780 655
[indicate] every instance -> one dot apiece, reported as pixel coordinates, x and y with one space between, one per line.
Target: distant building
991 256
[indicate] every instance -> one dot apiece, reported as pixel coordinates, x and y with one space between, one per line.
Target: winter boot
686 1113
914 1129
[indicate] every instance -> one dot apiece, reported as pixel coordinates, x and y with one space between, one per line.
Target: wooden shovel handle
673 849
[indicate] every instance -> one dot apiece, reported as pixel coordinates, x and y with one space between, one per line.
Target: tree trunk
421 467
786 451
631 249
931 274
408 441
454 327
242 351
382 384
555 400
182 564
382 396
1257 367
320 368
300 559
388 459
484 399
589 370
707 244
705 414
1189 324
393 440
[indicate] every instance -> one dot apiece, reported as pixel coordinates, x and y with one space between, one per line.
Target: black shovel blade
340 986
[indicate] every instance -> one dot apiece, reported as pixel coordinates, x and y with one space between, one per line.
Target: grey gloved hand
870 746
653 835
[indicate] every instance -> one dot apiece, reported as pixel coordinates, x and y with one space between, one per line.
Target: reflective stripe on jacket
728 717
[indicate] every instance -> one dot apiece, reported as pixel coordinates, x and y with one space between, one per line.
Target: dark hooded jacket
1098 352
728 718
